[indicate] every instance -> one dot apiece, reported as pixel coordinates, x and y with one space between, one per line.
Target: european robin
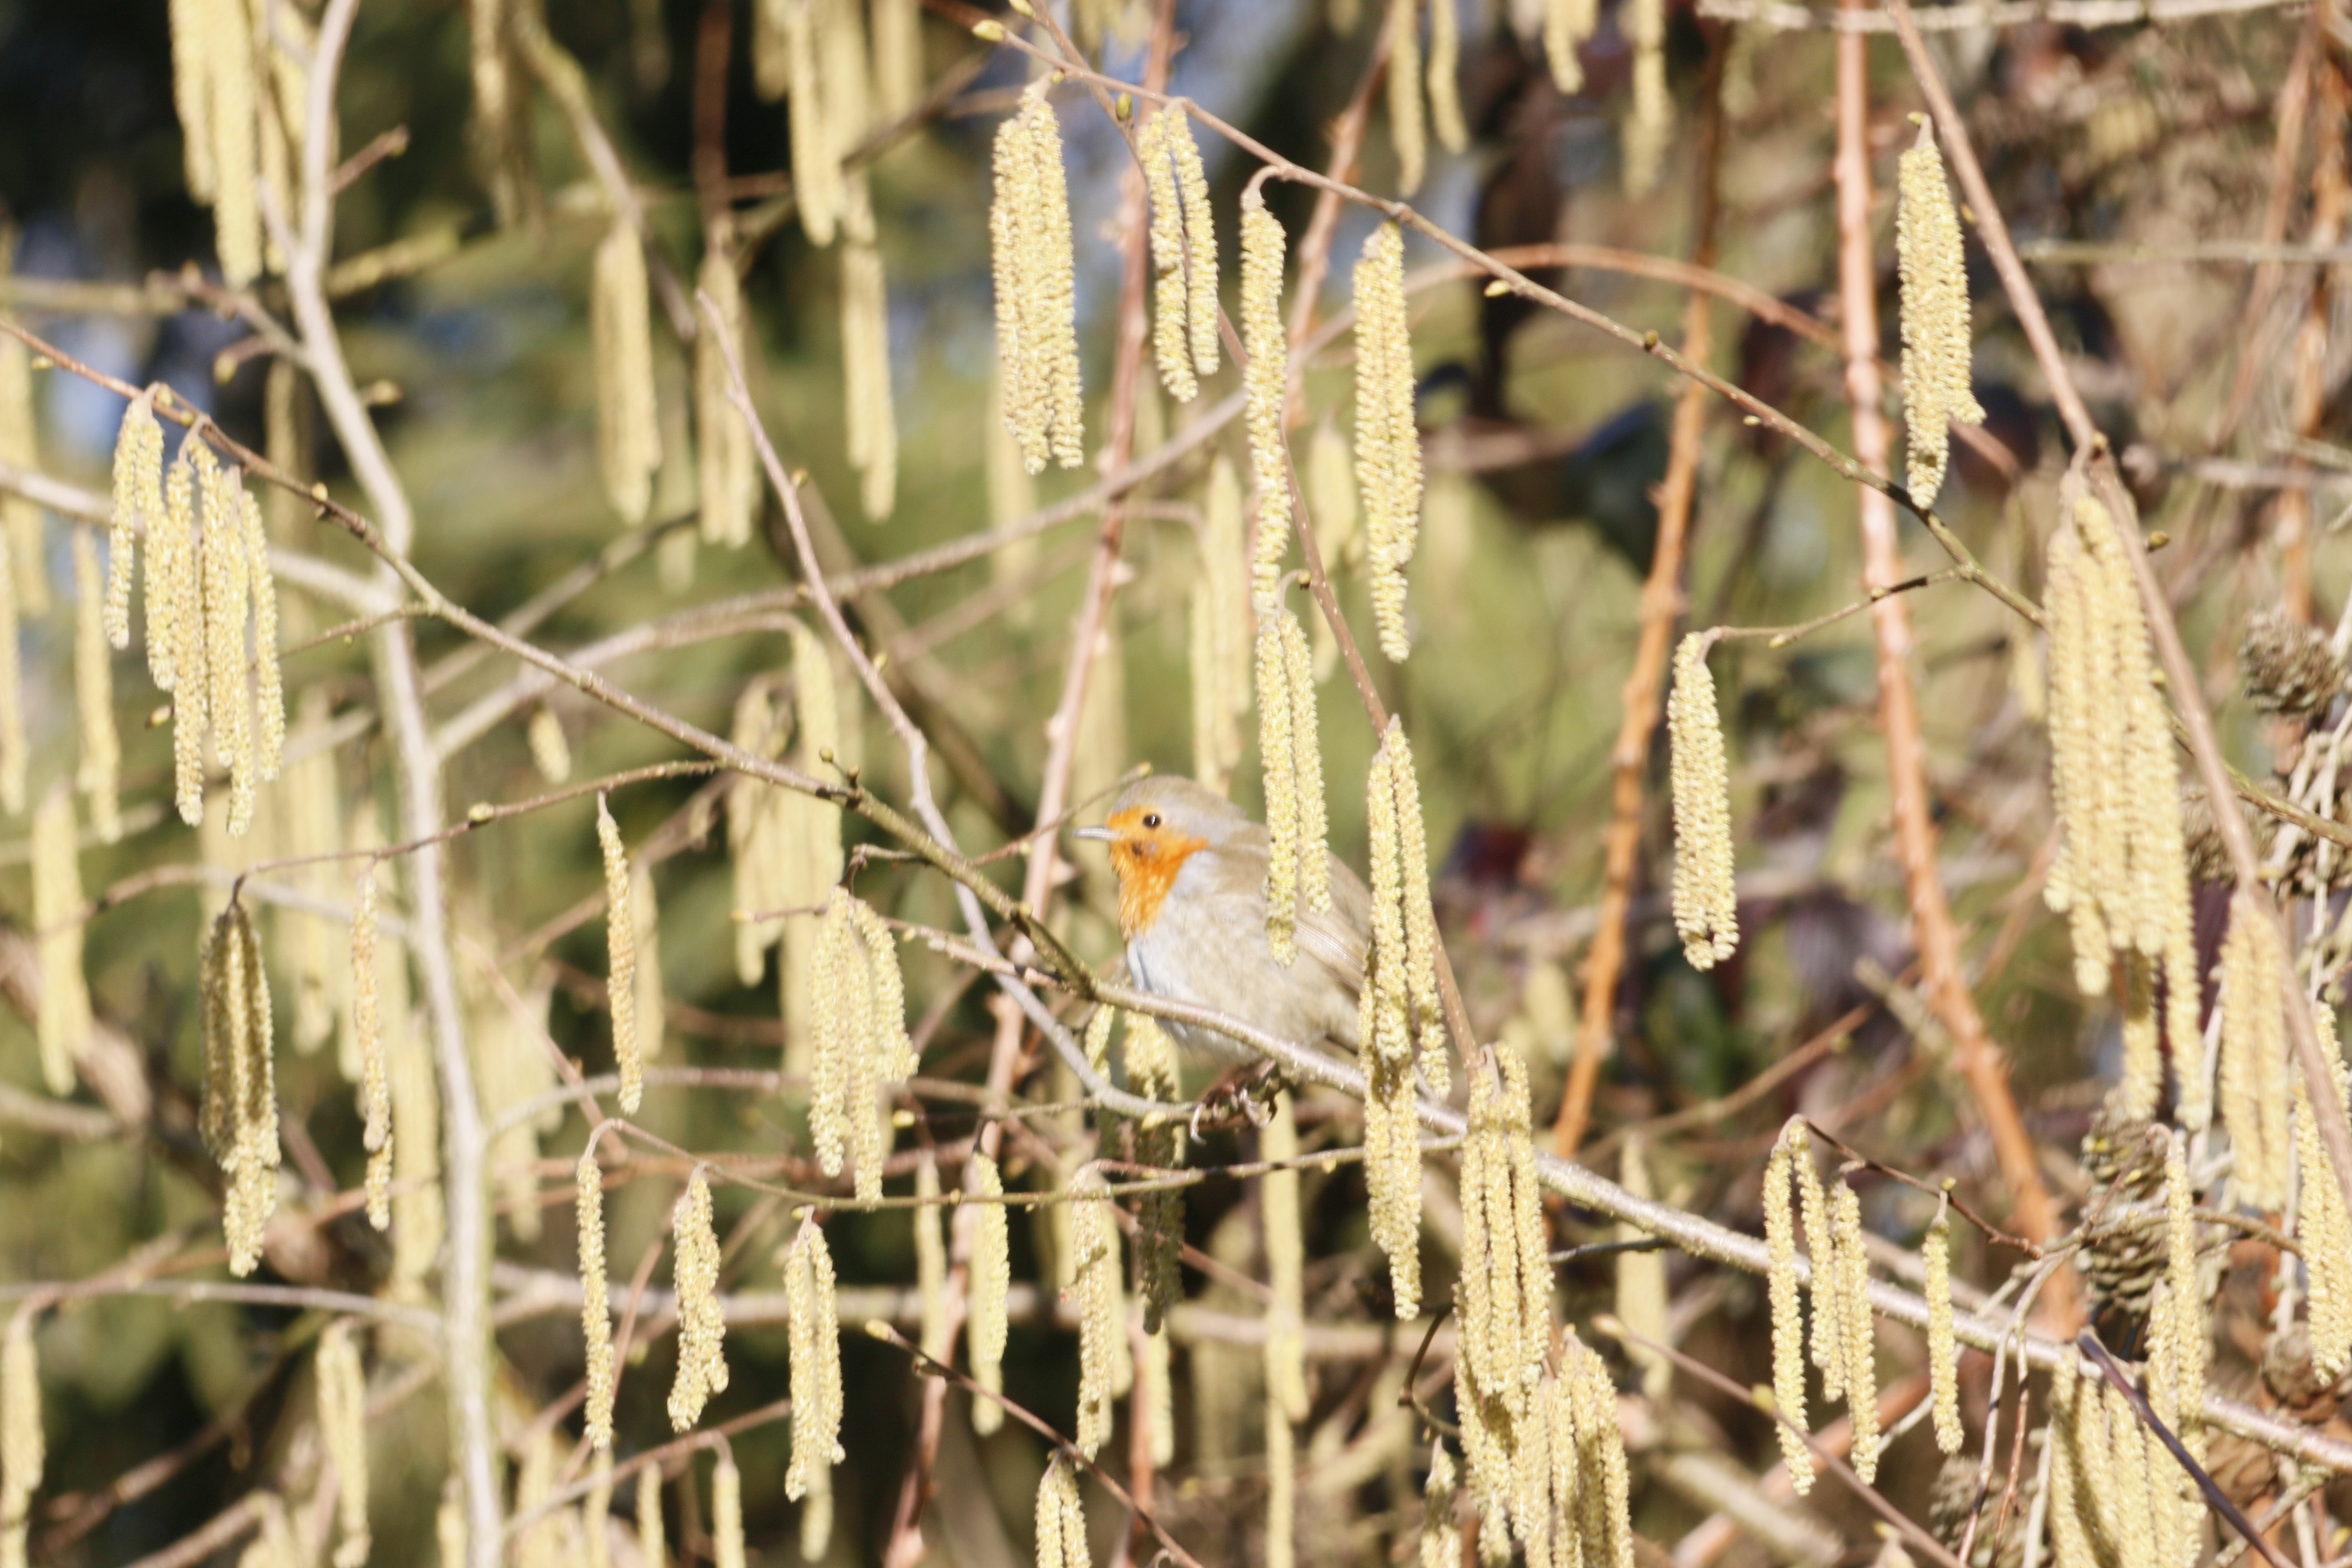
1192 905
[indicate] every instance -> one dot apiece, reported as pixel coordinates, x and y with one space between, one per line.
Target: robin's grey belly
1225 977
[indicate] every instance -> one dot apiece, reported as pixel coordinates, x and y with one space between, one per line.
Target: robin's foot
1244 1094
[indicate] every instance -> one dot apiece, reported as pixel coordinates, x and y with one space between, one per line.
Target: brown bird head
1155 826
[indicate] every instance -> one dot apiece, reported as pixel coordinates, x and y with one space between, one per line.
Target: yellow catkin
725 468
807 843
23 1452
1171 298
1943 1349
2255 1095
862 1052
227 585
1200 243
1788 1317
1036 330
1095 1290
1706 898
1649 123
100 774
343 1429
1441 1538
1285 1265
1061 1519
20 518
1155 1401
313 819
138 508
1603 1484
1503 1296
1388 437
1278 759
268 681
1860 1331
1445 76
931 1258
726 1513
596 1511
1392 1137
2121 875
2070 1541
419 1220
1642 1298
596 1309
171 558
1281 1486
866 358
701 1331
1937 348
628 423
815 1350
1266 378
621 946
992 1285
551 751
367 1028
844 69
651 1546
2321 1222
1220 648
239 1122
1408 130
214 90
64 1025
1566 25
1419 913
898 57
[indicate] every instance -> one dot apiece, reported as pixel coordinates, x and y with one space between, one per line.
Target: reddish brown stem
1661 606
1980 1062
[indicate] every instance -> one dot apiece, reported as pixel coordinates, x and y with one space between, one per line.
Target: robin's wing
1337 941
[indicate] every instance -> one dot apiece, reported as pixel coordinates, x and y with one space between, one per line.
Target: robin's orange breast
1147 871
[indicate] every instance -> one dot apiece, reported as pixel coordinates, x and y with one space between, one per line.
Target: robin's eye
1152 820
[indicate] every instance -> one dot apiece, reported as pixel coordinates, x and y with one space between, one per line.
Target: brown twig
1662 607
1980 1060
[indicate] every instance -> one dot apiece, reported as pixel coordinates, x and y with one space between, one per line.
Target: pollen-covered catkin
727 469
815 1350
726 1513
1441 1538
1937 348
1408 130
1278 762
651 1545
862 1052
621 947
1788 1314
64 1024
1061 1519
99 773
1220 646
342 1430
239 1120
628 423
171 546
1266 380
550 751
1858 1327
701 1330
1285 1264
1152 1071
268 682
2180 1336
1642 1301
866 358
991 1285
596 1309
2121 875
1036 330
596 1511
1395 990
1943 1349
1707 898
2254 1094
1566 25
1172 293
1445 76
2322 1224
1095 1289
930 1256
1388 437
367 1029
23 1452
1649 121
138 508
227 585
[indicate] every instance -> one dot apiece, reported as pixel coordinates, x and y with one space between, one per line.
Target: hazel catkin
1936 350
1706 898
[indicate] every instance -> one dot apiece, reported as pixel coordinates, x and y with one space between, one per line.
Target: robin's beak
1103 834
